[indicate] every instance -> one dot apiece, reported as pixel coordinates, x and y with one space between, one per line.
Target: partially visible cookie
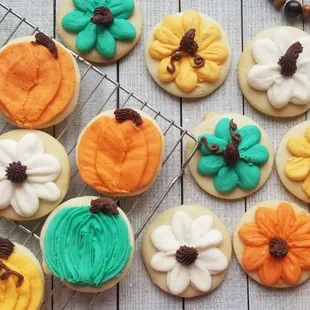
188 54
293 161
100 32
271 243
187 250
234 158
21 278
274 72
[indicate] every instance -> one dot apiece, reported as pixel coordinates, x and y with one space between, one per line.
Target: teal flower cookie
99 24
232 156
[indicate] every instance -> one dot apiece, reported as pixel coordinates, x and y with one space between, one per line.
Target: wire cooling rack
96 87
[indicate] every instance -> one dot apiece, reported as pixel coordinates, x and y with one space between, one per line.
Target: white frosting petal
303 66
43 168
2 173
6 193
7 152
301 90
200 279
25 201
164 239
178 279
281 92
283 39
200 227
181 224
47 191
262 77
212 238
28 146
213 260
162 262
265 52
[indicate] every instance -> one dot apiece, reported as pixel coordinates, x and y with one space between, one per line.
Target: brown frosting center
186 255
46 41
122 115
8 272
102 16
278 247
16 172
105 205
6 248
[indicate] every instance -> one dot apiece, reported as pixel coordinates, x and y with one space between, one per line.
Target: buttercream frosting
268 73
188 252
41 172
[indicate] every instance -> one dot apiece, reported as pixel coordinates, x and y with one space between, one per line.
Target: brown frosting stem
46 41
8 272
6 248
105 205
122 115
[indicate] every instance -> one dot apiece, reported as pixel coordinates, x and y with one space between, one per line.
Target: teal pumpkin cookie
87 243
234 156
100 30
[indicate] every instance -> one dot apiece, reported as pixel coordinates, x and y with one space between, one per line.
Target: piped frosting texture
86 249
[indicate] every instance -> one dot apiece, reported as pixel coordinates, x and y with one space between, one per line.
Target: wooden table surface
241 19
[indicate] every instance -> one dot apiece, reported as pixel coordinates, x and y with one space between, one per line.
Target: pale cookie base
71 104
110 113
208 127
122 48
148 249
52 147
249 217
283 155
258 99
203 88
84 201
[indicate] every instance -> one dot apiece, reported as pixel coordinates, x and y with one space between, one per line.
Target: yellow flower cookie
188 54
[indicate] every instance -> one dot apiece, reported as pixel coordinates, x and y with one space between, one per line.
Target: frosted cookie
274 72
34 174
271 243
120 152
88 243
21 278
187 250
234 156
293 161
39 82
188 54
100 31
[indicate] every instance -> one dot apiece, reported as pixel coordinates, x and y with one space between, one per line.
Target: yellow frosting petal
299 146
210 72
174 23
208 35
297 168
216 52
306 185
186 79
308 134
192 20
8 294
159 50
163 73
165 35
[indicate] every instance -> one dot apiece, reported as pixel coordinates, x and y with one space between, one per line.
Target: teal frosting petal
98 3
122 8
86 39
222 129
210 164
248 174
106 44
76 21
85 5
226 180
211 141
250 136
122 29
257 154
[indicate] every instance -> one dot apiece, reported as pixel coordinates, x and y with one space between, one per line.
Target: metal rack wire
128 98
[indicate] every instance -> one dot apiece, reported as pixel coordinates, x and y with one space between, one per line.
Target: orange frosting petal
254 257
287 219
252 235
303 256
291 270
301 227
271 271
267 220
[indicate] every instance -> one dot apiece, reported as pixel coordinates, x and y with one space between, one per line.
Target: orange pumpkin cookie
120 152
39 82
272 243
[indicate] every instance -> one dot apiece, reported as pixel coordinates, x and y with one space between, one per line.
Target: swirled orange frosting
34 86
118 157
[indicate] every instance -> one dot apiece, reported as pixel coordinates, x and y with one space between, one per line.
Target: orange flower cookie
188 54
293 161
120 152
272 245
39 82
